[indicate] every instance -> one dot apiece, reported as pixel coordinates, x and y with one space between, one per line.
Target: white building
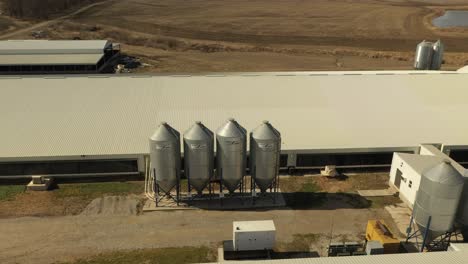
407 169
101 123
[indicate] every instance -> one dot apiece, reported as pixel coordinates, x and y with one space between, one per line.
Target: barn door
398 178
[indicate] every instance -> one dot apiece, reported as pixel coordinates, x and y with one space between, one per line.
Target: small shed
406 172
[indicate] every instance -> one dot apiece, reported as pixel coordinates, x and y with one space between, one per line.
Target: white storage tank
165 157
253 235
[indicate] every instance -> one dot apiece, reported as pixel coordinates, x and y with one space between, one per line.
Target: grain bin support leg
275 189
156 194
241 188
426 233
242 184
408 230
189 187
178 191
210 189
252 189
221 195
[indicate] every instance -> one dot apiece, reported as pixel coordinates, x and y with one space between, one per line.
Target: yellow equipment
378 230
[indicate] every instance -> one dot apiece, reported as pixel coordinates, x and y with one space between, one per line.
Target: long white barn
110 117
55 56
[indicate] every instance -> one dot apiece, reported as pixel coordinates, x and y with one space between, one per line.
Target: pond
452 18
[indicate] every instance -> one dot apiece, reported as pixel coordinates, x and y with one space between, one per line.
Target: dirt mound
114 205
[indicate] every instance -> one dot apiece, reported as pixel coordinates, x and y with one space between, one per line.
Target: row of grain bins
204 169
440 212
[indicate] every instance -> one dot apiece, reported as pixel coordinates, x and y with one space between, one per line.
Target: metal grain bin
438 198
199 156
424 54
438 55
462 214
231 156
265 146
165 156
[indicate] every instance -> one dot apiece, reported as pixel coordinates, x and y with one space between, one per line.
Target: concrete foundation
234 202
401 215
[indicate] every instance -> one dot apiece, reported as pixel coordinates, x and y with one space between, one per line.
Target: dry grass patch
8 192
299 243
352 183
154 256
68 199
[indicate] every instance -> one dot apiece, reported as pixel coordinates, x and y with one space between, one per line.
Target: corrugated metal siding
415 258
116 115
52 59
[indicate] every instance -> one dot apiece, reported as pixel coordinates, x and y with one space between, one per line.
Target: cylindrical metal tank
424 54
165 156
438 55
462 214
199 155
265 146
438 197
231 156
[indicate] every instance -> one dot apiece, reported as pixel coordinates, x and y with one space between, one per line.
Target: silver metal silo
437 200
231 148
199 156
438 55
462 214
265 146
424 54
165 157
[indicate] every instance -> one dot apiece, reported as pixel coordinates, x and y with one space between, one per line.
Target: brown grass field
263 35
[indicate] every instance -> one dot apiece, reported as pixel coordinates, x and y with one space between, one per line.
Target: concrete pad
165 205
220 254
401 215
234 202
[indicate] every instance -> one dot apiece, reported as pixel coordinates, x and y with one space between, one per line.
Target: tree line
39 8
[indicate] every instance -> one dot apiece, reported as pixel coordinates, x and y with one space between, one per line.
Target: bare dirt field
261 35
67 224
45 240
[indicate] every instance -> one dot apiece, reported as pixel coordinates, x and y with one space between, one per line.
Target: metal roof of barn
420 163
17 47
327 111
